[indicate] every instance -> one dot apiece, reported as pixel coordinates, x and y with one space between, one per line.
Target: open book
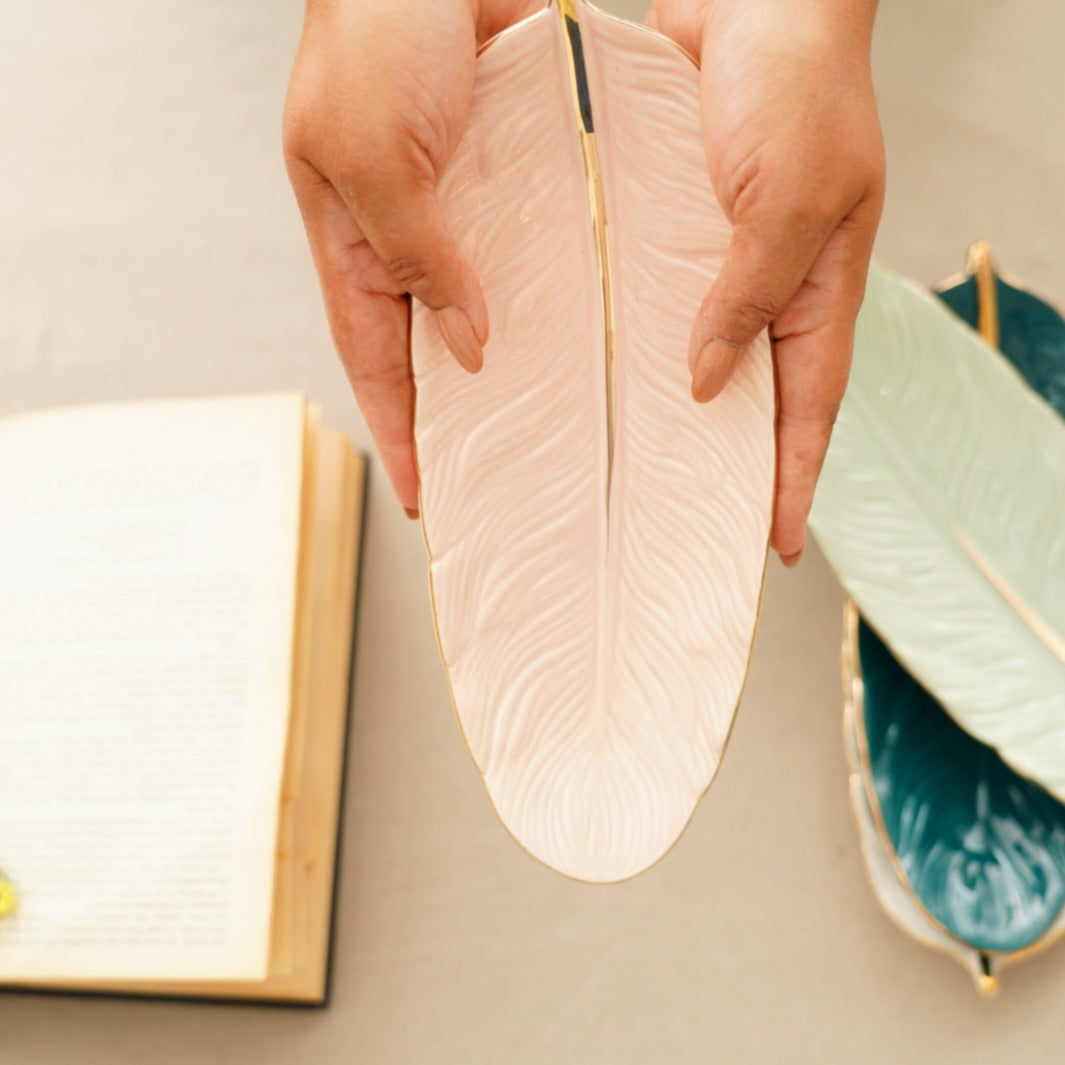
177 584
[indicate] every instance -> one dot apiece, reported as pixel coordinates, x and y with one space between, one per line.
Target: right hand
376 106
796 159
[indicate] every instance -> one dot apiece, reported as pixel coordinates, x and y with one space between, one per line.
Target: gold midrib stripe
585 121
918 489
981 267
567 11
1039 628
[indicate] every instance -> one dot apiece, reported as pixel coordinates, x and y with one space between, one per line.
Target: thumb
407 231
761 273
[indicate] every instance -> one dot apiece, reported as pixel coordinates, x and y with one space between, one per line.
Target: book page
148 558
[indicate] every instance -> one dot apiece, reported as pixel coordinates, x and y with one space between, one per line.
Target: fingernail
412 513
713 368
474 301
791 561
460 338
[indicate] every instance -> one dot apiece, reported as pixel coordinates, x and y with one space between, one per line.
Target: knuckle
746 317
411 271
760 308
423 140
425 127
378 385
811 219
808 433
740 180
299 128
369 376
294 134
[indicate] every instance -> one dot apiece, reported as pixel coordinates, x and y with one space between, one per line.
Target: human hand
796 160
378 101
376 105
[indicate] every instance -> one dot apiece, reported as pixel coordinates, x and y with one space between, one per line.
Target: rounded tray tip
986 980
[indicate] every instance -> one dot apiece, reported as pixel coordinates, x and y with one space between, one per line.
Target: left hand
376 105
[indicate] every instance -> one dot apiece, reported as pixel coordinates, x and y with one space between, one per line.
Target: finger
381 379
767 260
813 367
369 318
815 339
401 218
680 22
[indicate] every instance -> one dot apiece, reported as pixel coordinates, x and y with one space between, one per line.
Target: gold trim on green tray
981 266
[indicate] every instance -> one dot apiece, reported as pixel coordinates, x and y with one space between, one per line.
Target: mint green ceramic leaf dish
963 852
942 509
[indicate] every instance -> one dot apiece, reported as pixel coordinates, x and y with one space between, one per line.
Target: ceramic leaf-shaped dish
965 853
889 882
597 540
942 509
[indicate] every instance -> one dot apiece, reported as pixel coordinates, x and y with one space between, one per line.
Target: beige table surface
149 246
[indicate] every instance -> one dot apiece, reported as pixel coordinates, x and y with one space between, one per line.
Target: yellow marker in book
8 897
